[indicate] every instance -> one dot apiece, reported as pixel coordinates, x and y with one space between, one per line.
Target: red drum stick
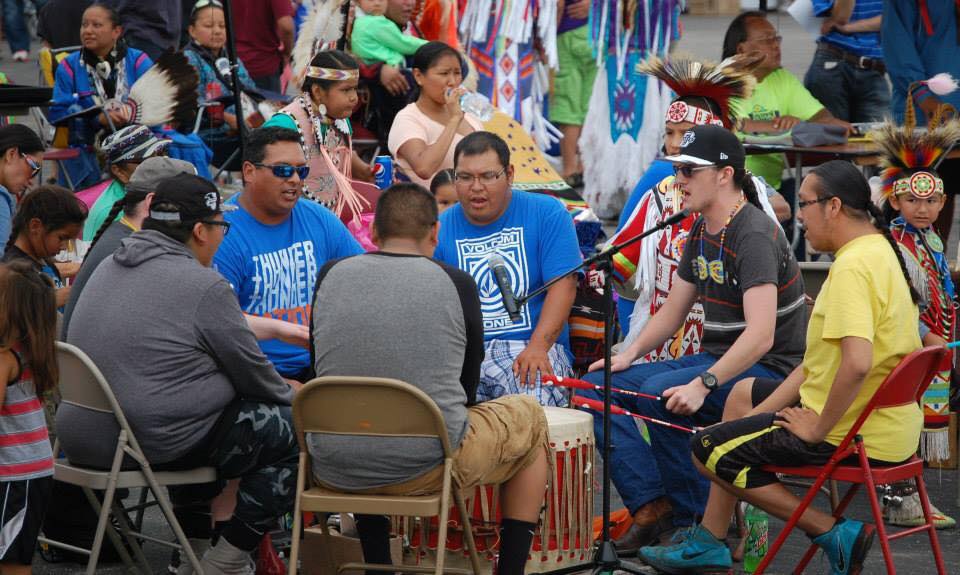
595 405
581 384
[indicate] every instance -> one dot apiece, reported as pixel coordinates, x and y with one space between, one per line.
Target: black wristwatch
709 380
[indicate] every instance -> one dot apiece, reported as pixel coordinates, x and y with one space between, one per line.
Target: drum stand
605 560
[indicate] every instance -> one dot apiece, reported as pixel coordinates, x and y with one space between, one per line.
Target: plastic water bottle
478 105
758 525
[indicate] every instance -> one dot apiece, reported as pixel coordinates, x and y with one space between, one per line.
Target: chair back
371 406
903 385
82 384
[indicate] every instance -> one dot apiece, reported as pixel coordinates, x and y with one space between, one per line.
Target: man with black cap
167 333
737 262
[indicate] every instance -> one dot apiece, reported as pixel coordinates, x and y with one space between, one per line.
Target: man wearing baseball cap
168 334
737 262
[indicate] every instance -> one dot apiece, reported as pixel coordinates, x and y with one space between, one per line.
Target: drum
565 534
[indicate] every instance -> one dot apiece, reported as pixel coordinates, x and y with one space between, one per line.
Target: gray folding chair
82 385
375 407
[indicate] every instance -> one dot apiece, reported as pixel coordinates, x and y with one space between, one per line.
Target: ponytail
114 210
744 180
880 223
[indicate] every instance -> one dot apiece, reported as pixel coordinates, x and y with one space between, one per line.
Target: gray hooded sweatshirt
171 341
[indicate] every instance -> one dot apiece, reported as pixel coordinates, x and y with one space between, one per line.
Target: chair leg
467 531
444 515
297 517
931 528
877 512
128 535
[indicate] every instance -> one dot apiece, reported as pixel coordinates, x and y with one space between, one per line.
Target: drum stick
595 405
581 384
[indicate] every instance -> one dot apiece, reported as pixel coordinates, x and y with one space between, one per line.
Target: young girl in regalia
912 196
644 271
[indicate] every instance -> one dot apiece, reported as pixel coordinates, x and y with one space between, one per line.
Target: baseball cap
186 198
149 173
709 145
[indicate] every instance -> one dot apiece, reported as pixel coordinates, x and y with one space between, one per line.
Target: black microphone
499 269
674 219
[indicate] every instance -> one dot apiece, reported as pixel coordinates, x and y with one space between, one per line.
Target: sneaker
21 56
698 552
846 545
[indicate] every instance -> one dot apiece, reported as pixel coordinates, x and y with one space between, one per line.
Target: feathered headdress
732 78
940 84
167 92
321 30
910 158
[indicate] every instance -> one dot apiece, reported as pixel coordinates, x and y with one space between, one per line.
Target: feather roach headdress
910 158
732 78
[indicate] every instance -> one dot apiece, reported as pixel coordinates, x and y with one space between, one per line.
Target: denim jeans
14 24
643 471
849 93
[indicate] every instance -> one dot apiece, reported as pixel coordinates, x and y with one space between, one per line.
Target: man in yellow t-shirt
779 101
864 322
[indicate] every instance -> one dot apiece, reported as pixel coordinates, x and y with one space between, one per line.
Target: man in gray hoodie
169 336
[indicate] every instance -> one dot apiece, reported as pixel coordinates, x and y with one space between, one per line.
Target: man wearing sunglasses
278 242
533 238
737 262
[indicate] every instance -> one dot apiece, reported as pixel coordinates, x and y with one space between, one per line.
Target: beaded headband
920 184
682 112
318 73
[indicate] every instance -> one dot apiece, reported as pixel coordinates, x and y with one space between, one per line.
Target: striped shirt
755 252
25 451
865 44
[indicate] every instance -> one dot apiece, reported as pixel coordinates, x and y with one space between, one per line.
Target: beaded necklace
714 269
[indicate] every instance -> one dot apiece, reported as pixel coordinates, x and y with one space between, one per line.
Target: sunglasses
805 203
286 170
34 166
687 170
201 4
222 224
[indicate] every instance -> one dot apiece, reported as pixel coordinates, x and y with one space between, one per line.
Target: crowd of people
313 269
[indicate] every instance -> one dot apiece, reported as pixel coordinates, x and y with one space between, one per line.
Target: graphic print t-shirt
273 268
537 241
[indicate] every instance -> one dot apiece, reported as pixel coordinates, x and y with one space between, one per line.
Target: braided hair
111 216
744 180
841 179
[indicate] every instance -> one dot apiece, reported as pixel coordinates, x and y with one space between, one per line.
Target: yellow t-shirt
865 295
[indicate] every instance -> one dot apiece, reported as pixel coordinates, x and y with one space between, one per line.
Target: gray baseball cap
154 170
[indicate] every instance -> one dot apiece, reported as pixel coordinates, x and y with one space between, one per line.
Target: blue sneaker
846 545
699 552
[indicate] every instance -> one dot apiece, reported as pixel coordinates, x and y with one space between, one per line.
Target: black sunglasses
286 170
221 223
687 170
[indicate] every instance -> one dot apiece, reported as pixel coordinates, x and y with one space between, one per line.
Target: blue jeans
643 471
851 94
14 25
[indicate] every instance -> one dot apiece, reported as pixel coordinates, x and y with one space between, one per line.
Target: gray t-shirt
756 252
105 246
404 317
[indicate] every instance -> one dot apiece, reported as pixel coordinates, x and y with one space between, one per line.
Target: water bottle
478 105
758 526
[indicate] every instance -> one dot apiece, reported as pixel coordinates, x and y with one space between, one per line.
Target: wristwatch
709 380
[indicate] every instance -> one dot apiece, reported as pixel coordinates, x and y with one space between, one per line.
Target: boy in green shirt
779 101
377 39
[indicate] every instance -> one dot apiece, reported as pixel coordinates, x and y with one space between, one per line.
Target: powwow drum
565 534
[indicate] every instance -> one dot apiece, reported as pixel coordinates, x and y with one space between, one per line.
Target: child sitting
443 190
377 39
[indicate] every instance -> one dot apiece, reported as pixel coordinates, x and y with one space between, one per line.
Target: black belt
861 62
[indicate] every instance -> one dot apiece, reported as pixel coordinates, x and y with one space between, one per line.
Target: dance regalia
651 265
924 256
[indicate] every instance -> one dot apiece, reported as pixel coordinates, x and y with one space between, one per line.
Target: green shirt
101 209
286 121
377 39
780 94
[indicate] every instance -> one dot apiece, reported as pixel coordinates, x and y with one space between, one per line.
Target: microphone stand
605 560
235 80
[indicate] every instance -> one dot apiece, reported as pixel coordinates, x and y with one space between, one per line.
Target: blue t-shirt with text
537 241
273 268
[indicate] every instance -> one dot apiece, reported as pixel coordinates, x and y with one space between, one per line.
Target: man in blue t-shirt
279 242
535 238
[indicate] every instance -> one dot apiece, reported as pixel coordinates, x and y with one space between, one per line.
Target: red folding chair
905 384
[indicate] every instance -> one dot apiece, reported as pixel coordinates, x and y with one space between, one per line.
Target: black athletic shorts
24 504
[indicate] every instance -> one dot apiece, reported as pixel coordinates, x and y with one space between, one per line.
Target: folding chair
374 407
905 384
82 385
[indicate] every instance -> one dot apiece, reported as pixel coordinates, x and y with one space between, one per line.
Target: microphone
223 66
499 269
674 219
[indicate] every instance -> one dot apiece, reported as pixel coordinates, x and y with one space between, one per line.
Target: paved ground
703 36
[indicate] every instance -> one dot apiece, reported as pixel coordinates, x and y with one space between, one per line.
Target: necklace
714 269
127 223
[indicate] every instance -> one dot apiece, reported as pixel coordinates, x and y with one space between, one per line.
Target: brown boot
649 522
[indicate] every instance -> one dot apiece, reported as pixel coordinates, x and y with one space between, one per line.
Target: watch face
709 380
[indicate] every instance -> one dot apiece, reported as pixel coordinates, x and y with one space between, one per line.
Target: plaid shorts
497 379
